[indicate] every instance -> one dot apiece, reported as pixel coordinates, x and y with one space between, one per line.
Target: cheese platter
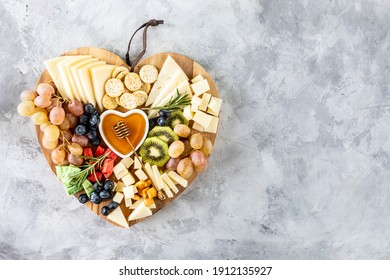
125 141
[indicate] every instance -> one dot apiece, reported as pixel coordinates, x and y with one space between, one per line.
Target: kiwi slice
154 151
176 118
165 133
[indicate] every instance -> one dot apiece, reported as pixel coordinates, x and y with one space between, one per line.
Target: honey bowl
136 120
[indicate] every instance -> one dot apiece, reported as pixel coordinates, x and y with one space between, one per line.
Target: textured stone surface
301 165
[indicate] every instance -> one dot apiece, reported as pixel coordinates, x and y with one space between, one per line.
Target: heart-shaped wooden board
189 66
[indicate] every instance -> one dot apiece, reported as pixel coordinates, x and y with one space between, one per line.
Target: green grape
39 118
26 108
50 145
28 95
52 132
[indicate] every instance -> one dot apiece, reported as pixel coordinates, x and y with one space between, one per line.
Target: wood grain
190 67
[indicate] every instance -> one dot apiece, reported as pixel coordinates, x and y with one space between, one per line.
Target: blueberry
95 198
94 195
95 142
165 113
94 120
104 194
88 108
113 205
92 134
80 129
152 123
96 113
109 185
97 187
83 198
105 211
84 119
111 195
93 127
161 121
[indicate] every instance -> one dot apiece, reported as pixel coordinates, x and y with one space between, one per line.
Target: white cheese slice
73 72
141 175
198 78
99 75
215 106
205 101
119 186
65 79
128 179
118 197
202 118
165 77
137 163
188 114
180 180
51 66
197 127
142 211
157 176
118 217
150 173
127 162
200 87
85 79
195 102
135 189
213 126
128 192
167 190
128 202
169 183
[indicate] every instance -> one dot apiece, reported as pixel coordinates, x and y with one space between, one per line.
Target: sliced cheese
137 163
188 114
64 77
202 118
213 126
128 179
214 106
51 66
73 71
198 78
127 162
180 180
167 73
167 190
118 217
141 175
157 177
99 75
128 192
195 102
205 101
118 197
135 189
149 170
169 183
142 211
197 127
86 83
200 87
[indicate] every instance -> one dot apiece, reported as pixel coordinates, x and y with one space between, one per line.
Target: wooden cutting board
190 67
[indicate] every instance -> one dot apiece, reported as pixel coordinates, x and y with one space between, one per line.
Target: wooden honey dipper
122 131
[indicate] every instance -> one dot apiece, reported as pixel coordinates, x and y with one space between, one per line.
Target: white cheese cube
211 112
205 101
119 169
196 79
180 180
128 202
119 186
213 126
200 87
135 189
137 163
141 174
118 197
128 179
215 105
127 162
169 183
195 102
188 114
128 192
202 118
118 217
198 127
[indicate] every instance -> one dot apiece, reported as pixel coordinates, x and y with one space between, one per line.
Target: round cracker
146 87
133 81
148 74
141 97
114 87
128 101
121 76
118 70
109 102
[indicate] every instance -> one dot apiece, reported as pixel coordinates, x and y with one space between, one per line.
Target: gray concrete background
301 165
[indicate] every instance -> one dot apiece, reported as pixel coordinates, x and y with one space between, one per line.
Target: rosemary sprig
175 103
86 169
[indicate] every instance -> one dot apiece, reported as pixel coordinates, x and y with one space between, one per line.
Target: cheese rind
202 118
200 87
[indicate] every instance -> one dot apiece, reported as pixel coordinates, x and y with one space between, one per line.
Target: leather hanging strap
152 22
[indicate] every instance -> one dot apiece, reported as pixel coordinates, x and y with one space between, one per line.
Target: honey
136 124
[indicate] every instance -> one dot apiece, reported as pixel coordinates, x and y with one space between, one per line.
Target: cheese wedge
165 78
64 77
100 75
150 173
137 164
195 102
86 83
139 201
117 217
167 190
128 179
169 183
128 202
73 72
51 66
142 211
198 78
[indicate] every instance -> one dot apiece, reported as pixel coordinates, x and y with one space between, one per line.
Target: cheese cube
128 202
137 163
205 101
118 169
211 112
128 192
202 118
141 174
188 114
180 180
200 87
213 126
128 179
157 176
118 217
198 127
169 183
135 189
215 106
118 197
127 162
198 78
119 186
195 102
